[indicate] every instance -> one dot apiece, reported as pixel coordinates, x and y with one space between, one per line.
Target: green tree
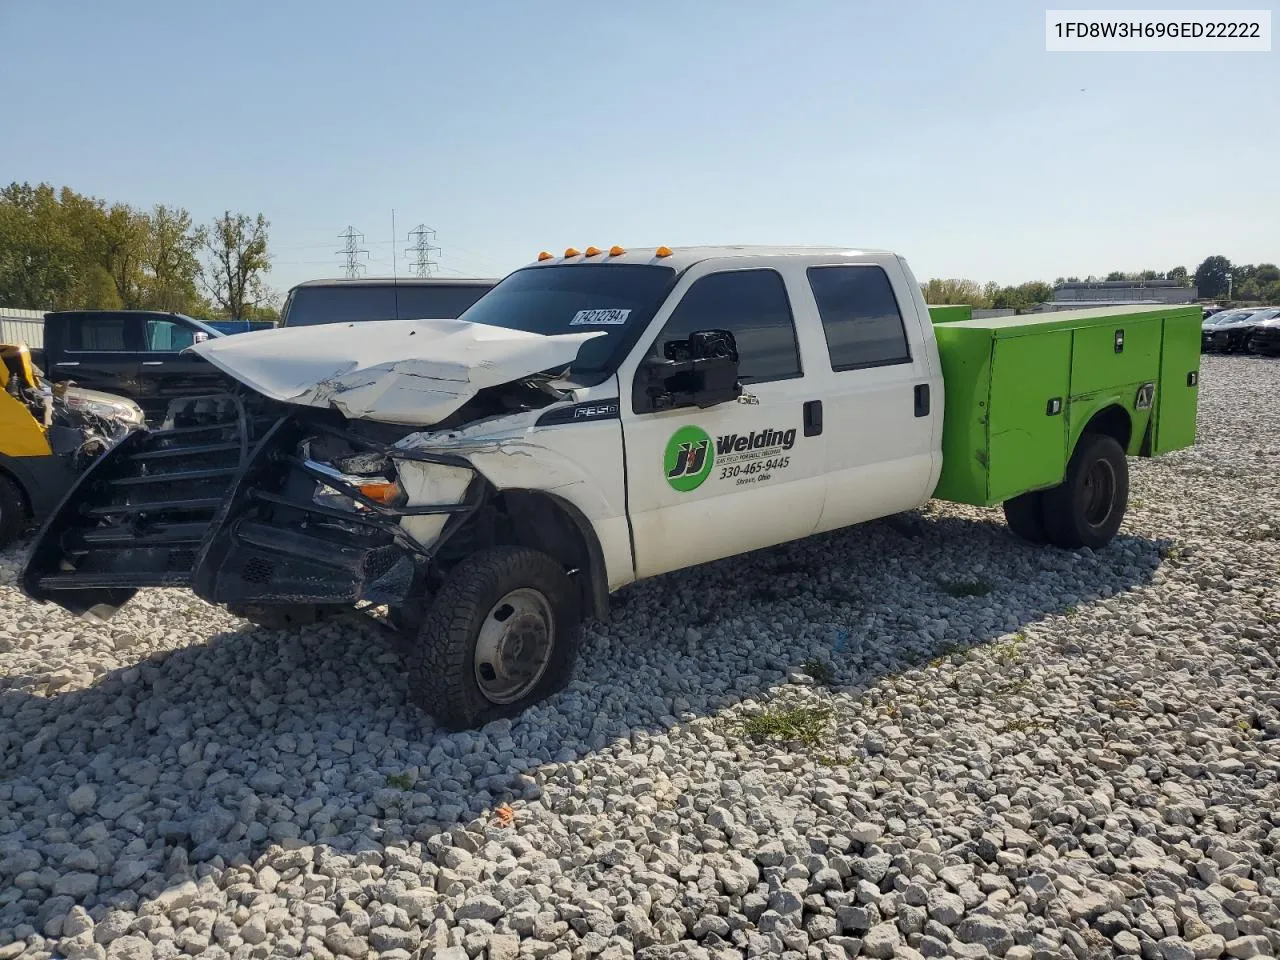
1179 274
1267 274
236 258
38 255
170 256
1211 276
954 291
1116 275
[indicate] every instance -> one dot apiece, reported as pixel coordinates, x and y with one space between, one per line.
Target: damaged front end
283 505
277 512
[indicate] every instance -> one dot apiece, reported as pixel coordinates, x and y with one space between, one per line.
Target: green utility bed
949 312
1021 390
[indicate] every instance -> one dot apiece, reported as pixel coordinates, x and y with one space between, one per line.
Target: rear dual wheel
1087 508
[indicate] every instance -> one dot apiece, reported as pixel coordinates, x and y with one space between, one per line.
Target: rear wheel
500 635
1087 508
1025 516
13 512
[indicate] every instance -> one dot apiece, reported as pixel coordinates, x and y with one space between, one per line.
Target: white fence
22 326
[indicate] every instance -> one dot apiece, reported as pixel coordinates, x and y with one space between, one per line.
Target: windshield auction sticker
613 317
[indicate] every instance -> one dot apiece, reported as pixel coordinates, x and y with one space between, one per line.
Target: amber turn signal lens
381 491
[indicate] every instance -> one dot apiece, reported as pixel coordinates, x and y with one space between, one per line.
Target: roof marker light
592 251
571 252
545 255
662 252
616 251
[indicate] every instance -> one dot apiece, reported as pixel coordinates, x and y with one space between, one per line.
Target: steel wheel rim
513 649
1099 492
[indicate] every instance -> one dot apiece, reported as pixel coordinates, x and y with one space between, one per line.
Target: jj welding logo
688 459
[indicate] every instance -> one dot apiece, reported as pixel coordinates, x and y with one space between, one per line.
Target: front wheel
1087 508
500 635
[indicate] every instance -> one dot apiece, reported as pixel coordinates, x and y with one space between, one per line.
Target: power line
422 235
352 250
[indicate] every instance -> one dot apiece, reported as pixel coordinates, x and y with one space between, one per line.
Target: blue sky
941 130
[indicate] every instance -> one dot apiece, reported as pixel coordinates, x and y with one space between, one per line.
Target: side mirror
701 371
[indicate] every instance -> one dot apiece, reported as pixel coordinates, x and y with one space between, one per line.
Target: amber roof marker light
662 252
571 252
545 255
616 251
592 252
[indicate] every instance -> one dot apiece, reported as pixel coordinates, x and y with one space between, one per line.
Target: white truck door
709 483
881 386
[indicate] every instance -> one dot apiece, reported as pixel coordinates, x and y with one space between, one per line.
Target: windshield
617 299
308 306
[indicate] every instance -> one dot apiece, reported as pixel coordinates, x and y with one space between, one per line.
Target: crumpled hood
395 371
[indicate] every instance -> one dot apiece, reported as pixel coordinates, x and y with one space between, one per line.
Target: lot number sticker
613 317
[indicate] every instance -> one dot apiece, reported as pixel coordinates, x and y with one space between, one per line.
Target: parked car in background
381 298
1266 332
1228 331
132 353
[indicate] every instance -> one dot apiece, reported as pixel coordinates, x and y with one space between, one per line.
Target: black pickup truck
133 353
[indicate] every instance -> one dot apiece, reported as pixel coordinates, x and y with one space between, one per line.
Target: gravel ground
918 738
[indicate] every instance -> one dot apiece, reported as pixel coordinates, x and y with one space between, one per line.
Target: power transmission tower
422 235
352 250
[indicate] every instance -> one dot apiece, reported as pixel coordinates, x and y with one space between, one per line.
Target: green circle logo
688 460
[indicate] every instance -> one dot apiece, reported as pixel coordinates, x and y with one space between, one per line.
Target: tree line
63 250
1215 279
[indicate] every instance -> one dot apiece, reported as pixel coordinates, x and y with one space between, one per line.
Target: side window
165 336
753 306
860 317
96 334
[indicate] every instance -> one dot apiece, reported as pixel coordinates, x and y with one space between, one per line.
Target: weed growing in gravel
1023 725
805 724
400 781
977 587
1011 651
820 670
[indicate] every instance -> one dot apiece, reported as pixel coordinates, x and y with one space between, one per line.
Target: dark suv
384 298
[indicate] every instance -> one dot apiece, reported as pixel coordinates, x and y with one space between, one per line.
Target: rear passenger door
881 393
100 353
709 483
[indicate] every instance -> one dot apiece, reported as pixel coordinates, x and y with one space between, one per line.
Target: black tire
1025 516
1087 508
13 511
443 667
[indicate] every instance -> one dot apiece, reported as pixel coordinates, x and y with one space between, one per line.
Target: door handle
68 363
813 418
922 399
152 363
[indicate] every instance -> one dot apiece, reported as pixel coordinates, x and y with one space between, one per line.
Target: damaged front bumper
244 504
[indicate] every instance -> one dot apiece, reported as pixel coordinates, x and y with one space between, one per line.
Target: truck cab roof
680 258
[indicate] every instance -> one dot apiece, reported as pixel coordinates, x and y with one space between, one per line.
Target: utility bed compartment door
1027 422
1179 386
1107 356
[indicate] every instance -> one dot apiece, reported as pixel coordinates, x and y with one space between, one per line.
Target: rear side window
860 317
93 334
753 306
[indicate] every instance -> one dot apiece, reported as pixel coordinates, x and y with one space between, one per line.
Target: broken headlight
372 474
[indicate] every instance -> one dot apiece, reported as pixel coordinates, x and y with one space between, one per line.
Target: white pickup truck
597 418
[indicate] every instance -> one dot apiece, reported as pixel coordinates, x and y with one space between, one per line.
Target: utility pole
352 250
422 235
